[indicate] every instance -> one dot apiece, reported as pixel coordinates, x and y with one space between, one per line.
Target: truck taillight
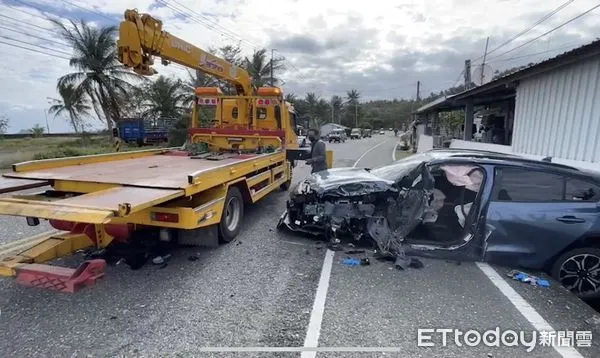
164 217
208 101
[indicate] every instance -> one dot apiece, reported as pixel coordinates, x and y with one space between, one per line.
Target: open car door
405 213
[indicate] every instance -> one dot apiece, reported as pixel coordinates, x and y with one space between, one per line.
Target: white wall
425 143
558 113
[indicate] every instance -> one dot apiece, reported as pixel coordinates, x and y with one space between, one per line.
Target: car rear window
514 184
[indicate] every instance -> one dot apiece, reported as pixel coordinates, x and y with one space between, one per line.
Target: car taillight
165 217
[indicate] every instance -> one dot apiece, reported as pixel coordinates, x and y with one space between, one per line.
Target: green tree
163 98
99 74
352 98
37 130
3 123
291 97
259 68
72 104
337 104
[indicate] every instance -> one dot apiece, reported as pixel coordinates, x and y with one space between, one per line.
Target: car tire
570 261
233 215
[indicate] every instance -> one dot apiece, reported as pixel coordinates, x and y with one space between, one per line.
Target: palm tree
163 98
37 130
99 74
260 68
353 96
336 107
72 104
290 97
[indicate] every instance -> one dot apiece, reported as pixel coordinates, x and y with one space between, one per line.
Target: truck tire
285 186
233 215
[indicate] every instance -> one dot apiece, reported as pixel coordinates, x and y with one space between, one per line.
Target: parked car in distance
460 205
366 133
381 132
356 133
337 136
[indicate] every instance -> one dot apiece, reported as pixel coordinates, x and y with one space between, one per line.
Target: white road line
538 322
368 151
394 152
316 316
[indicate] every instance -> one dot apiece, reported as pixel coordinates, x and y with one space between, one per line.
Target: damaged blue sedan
462 205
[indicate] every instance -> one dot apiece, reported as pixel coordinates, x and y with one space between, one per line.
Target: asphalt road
266 290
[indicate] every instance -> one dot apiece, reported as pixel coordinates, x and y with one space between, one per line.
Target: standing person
318 155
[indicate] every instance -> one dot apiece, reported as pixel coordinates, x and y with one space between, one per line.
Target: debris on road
404 262
160 260
193 258
353 261
354 252
527 278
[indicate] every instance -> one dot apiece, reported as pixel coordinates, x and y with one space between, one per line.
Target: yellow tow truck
194 194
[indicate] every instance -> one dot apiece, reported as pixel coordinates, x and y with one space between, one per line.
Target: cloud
381 49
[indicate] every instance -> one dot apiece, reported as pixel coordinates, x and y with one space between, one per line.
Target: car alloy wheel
579 272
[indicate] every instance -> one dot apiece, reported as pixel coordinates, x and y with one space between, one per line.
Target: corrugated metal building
557 113
551 108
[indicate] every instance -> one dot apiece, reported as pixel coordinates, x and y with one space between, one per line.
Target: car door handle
569 219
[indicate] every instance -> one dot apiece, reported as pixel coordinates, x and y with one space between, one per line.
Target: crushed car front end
353 204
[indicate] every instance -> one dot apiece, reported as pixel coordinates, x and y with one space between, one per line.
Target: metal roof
504 87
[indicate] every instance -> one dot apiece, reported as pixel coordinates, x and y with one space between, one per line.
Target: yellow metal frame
87 159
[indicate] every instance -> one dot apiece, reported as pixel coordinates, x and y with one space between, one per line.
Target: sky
381 48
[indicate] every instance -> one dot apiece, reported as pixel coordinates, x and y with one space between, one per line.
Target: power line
36 45
113 19
533 54
214 23
550 31
201 22
34 36
25 12
33 50
18 23
544 18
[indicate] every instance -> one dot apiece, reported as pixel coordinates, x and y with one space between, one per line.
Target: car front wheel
578 270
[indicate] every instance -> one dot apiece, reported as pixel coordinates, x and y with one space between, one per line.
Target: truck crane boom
141 37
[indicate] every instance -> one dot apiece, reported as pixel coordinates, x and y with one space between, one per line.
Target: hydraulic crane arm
141 37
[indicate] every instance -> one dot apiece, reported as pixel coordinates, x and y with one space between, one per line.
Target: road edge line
368 151
394 152
316 317
537 321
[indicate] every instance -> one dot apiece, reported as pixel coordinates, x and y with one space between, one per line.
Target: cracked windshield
247 178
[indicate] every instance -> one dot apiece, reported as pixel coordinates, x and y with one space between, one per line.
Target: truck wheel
233 214
285 186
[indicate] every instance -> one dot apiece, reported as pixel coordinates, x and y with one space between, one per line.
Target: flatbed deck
156 171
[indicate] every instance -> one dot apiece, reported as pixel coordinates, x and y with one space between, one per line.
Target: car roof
460 155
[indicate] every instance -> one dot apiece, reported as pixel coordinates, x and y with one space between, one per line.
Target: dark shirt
318 155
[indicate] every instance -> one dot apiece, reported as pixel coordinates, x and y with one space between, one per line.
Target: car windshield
400 168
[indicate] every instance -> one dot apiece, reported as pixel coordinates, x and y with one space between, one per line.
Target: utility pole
467 74
484 57
272 51
418 91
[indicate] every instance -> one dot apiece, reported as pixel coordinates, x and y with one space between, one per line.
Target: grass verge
23 149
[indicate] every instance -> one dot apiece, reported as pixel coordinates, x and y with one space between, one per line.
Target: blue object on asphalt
524 277
351 261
